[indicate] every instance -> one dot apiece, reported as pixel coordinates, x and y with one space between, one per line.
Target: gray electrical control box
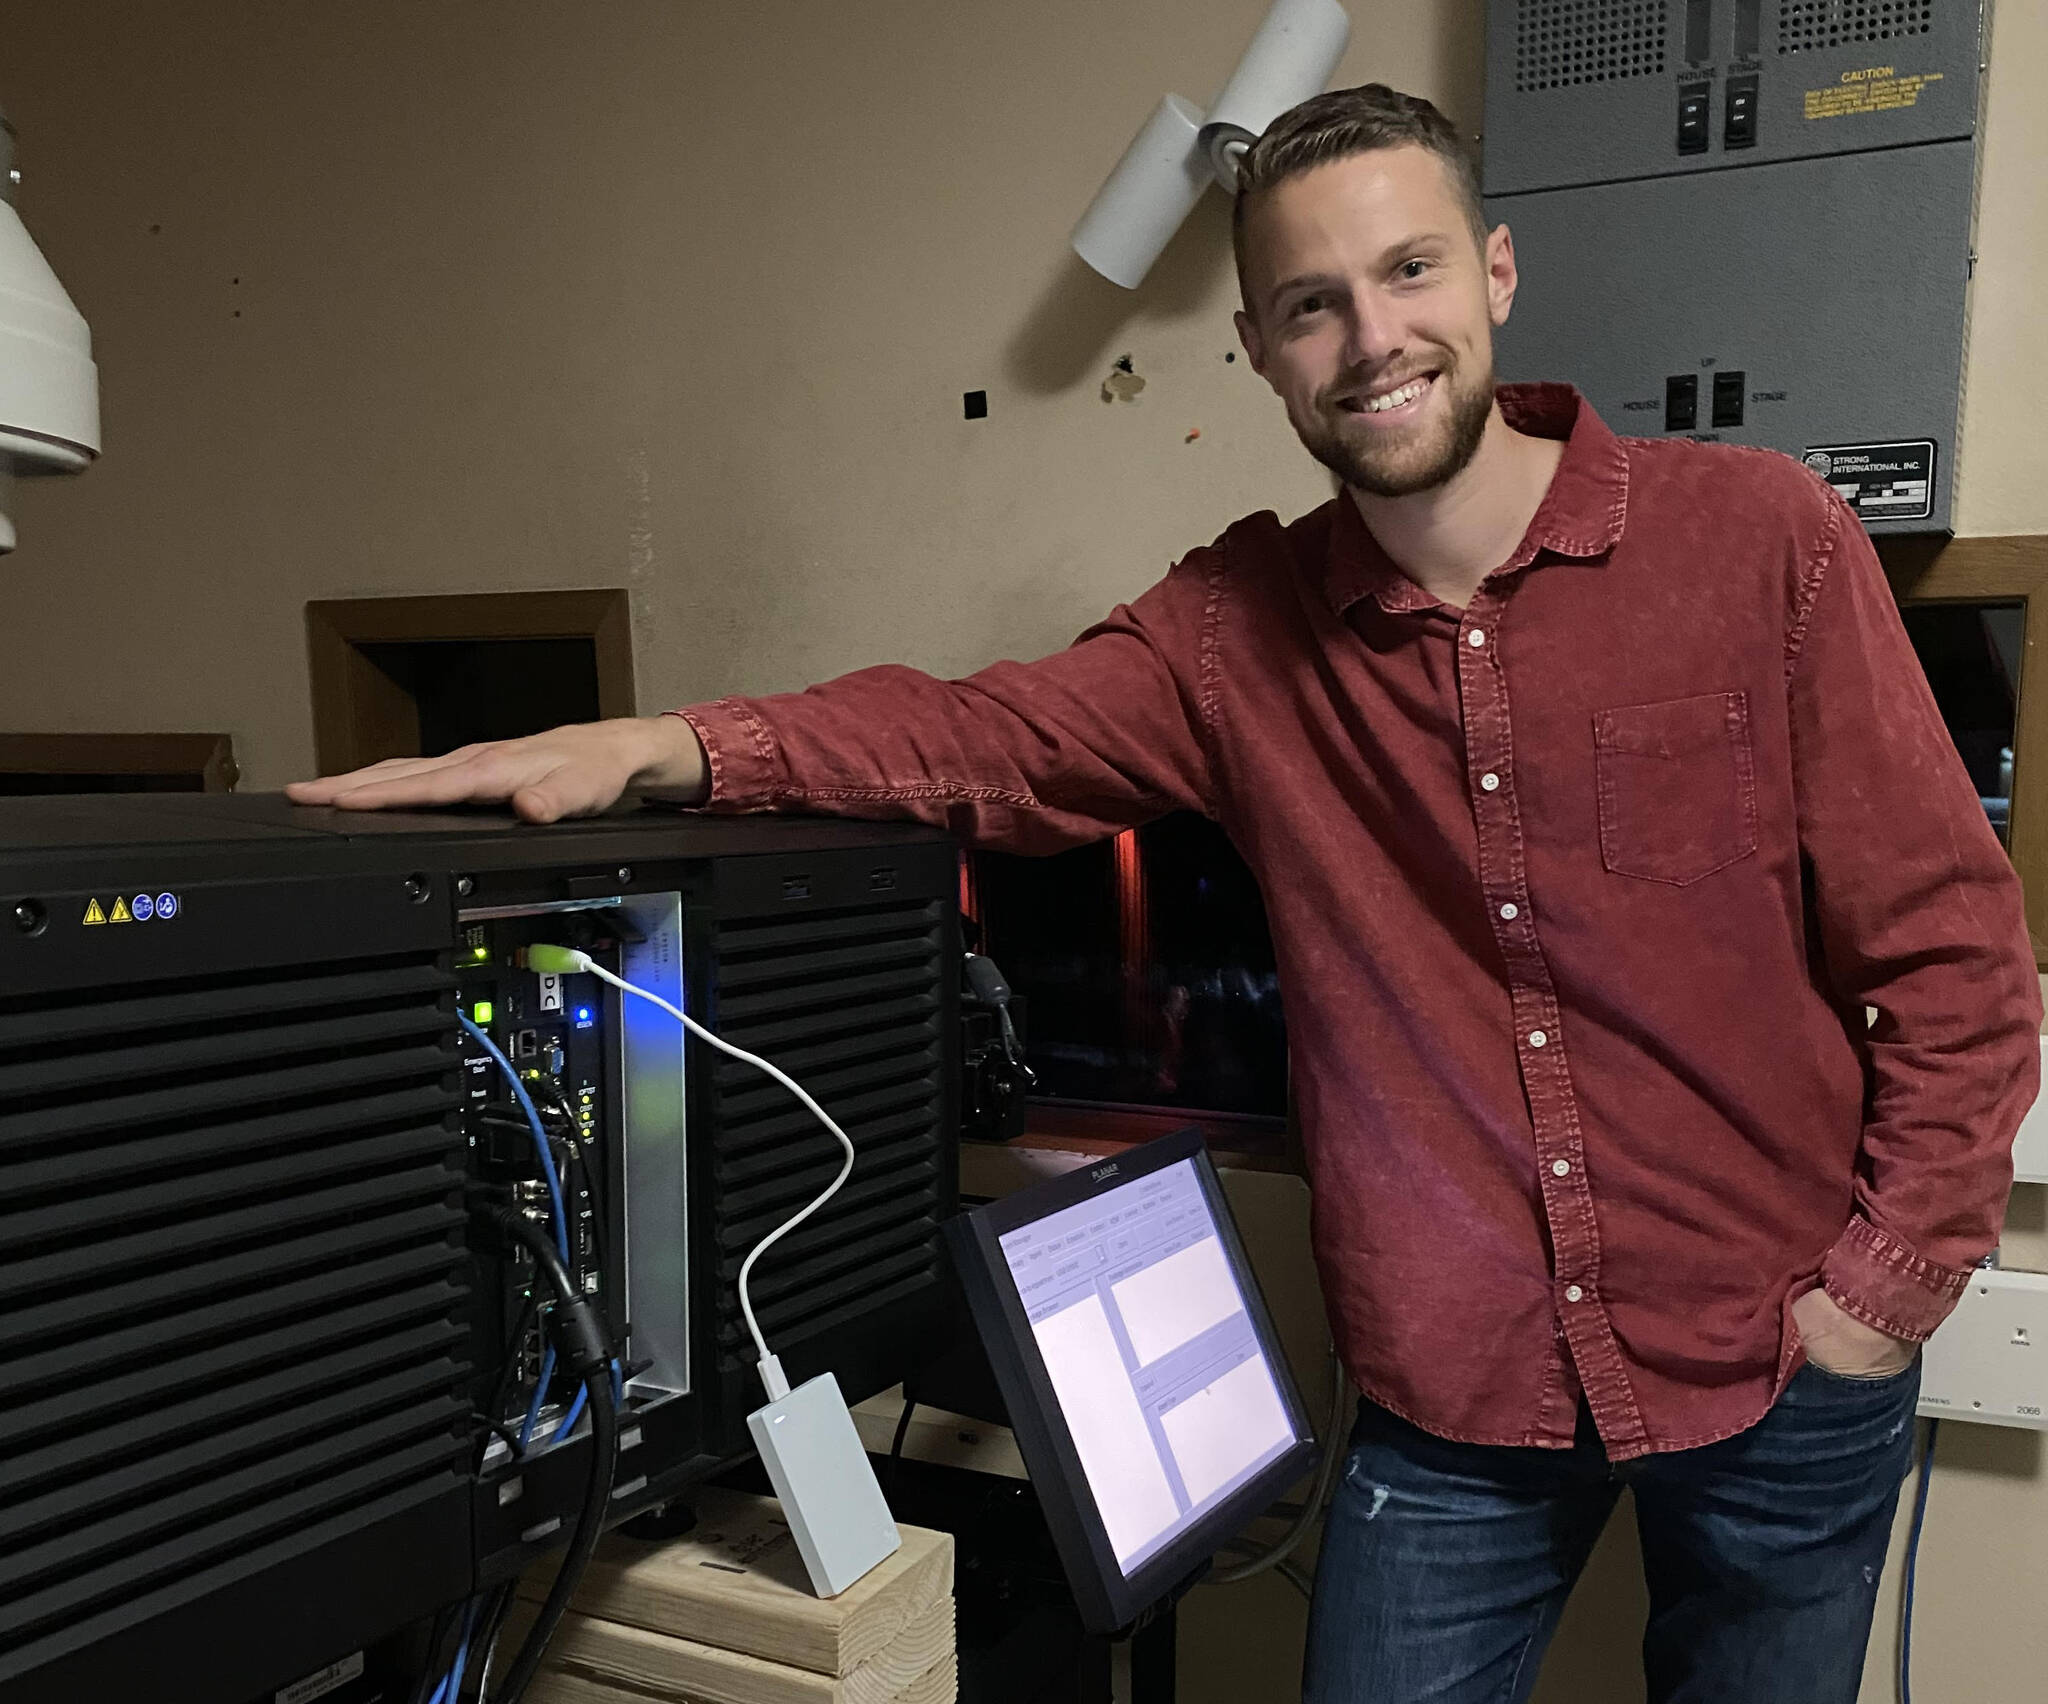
1747 220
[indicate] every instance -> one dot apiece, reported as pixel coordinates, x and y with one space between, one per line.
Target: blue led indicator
143 906
583 1017
166 907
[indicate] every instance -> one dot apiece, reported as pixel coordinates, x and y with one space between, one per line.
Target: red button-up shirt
1579 895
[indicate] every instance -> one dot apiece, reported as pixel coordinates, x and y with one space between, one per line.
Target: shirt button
1537 1038
1511 911
1476 639
1572 1293
1489 781
1560 1168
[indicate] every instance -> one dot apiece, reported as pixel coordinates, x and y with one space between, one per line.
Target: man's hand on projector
566 772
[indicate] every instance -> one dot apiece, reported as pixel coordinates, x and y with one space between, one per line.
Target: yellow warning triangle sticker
121 913
93 913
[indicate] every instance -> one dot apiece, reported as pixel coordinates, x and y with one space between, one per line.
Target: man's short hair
1344 122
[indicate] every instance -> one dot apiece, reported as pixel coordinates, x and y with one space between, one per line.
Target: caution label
120 913
1881 482
1876 88
93 913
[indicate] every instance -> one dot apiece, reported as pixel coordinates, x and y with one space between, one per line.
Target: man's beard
1388 464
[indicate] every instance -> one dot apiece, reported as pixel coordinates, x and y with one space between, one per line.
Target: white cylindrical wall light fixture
1180 150
1293 56
49 387
1143 202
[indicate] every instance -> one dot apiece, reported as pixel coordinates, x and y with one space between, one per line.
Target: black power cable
896 1443
490 1625
583 1350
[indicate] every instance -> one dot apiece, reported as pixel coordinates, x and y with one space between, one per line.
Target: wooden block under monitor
737 1585
605 1662
940 1686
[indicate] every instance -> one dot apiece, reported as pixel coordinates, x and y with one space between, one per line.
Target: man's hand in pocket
1838 1342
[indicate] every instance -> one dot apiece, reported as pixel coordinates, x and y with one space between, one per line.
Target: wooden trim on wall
211 757
360 714
1964 570
1999 570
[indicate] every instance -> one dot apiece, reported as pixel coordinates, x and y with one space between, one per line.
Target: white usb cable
567 961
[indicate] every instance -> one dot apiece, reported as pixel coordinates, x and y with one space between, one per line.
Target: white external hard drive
834 1506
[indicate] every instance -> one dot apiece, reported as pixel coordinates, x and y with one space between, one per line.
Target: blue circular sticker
166 907
143 906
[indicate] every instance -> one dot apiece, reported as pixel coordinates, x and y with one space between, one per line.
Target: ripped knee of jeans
1380 1493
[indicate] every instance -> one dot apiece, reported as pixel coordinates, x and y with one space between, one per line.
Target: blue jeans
1445 1567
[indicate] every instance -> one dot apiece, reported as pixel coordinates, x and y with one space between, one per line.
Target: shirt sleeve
1920 917
1021 757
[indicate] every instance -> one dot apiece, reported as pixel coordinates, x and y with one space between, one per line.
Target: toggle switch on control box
1989 1360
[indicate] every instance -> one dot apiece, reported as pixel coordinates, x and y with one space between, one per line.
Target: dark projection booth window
1146 968
1971 652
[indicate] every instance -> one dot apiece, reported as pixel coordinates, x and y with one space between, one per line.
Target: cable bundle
580 1343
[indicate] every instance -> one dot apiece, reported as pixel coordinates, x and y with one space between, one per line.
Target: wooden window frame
361 715
209 756
1925 570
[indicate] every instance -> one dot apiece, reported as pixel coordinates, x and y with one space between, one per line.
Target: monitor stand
1152 1639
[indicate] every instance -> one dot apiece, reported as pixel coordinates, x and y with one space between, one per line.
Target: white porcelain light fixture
1180 150
49 387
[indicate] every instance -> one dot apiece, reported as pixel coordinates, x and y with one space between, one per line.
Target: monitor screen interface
1158 1368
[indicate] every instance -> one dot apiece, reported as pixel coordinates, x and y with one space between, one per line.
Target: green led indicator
479 954
482 1012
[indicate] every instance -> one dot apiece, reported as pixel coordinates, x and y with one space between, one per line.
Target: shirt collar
1581 514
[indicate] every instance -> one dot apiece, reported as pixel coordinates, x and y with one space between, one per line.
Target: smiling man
1595 793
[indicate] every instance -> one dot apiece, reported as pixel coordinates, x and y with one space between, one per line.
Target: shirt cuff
740 754
1876 1278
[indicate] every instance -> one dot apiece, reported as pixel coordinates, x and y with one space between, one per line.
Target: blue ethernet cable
540 1391
547 1161
540 1137
569 1419
451 1683
560 1218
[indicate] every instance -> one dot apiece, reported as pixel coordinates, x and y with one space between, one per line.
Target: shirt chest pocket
1677 786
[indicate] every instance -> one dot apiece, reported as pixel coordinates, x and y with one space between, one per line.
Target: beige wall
394 297
1999 489
675 295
